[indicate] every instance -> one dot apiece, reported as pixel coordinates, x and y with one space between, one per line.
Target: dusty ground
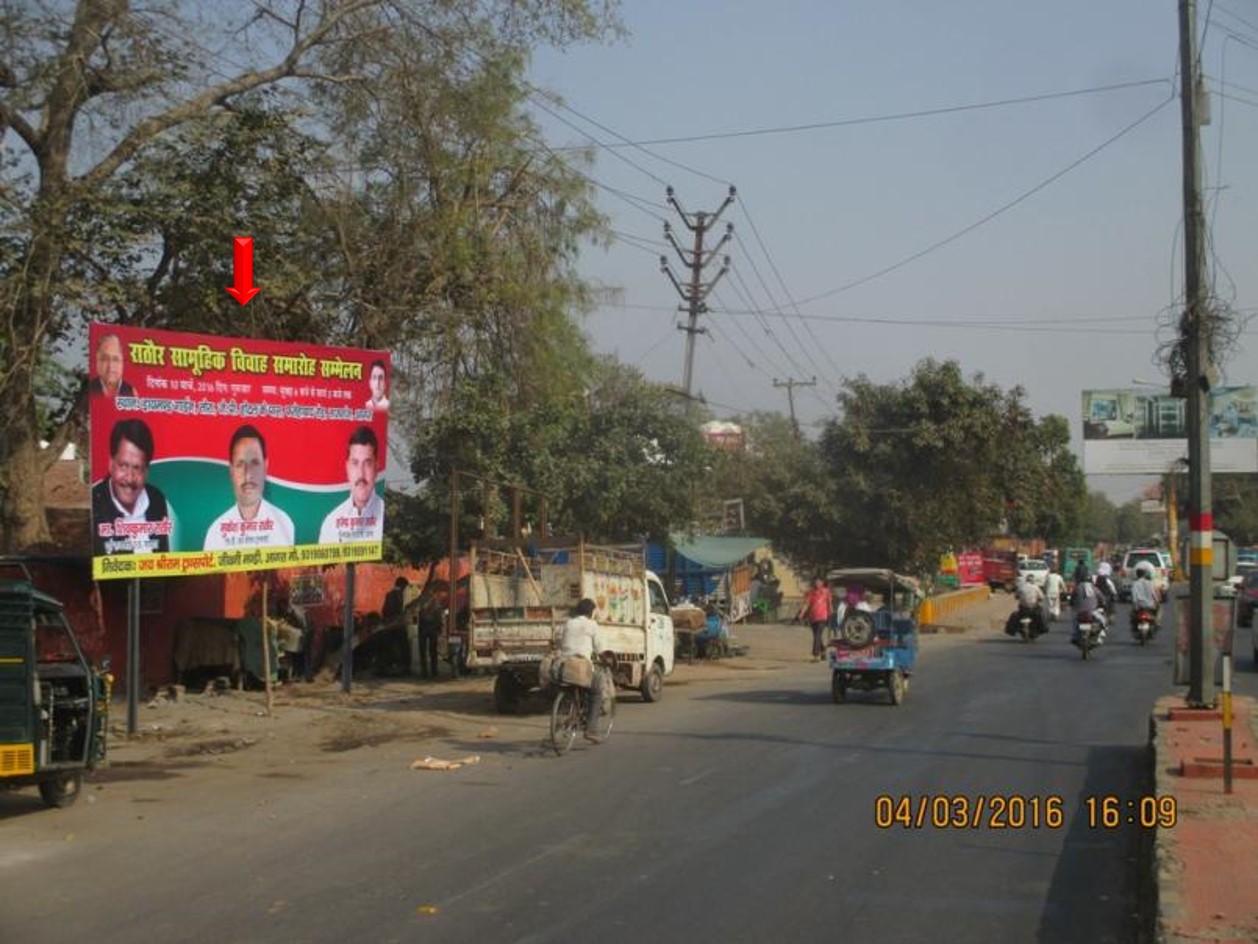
449 718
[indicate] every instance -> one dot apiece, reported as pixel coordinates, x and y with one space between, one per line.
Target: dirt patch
349 737
212 746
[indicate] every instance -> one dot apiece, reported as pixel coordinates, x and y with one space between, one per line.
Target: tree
103 217
915 464
617 458
1100 519
938 461
788 493
1236 508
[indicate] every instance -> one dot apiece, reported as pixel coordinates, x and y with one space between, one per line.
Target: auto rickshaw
53 702
874 644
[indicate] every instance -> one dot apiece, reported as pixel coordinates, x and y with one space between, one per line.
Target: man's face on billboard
109 362
248 469
360 470
377 383
128 472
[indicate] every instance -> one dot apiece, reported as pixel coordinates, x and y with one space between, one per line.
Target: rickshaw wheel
838 687
61 791
896 687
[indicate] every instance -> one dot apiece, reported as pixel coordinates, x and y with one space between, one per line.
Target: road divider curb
937 608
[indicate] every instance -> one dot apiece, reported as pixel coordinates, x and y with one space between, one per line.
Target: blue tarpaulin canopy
713 552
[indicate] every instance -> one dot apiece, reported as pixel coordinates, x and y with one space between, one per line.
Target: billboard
212 454
1144 431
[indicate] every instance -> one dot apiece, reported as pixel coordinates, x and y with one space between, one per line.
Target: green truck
54 703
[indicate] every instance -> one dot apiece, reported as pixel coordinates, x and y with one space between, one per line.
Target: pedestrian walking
816 610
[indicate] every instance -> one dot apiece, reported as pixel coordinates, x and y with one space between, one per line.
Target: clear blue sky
1059 292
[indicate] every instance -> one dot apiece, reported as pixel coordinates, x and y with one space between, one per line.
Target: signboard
213 454
1144 431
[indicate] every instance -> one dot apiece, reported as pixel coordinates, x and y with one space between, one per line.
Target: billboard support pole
133 656
1201 692
347 647
266 647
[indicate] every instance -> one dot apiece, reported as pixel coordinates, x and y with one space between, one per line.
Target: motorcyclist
1105 583
1054 590
1030 603
1087 599
1145 595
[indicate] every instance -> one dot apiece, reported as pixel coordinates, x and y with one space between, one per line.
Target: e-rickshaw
874 642
53 702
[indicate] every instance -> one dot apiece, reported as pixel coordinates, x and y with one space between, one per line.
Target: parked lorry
54 703
1000 568
519 602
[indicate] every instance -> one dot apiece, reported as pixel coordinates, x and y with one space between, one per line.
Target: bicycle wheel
565 720
601 727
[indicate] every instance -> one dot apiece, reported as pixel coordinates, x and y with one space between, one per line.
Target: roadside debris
436 763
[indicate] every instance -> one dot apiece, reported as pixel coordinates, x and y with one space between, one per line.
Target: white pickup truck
519 602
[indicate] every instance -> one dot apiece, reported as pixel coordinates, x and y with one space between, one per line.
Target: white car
1033 571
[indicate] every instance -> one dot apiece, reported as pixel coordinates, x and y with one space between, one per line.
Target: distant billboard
214 454
1144 431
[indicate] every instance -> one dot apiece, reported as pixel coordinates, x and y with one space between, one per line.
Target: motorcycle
1089 631
1025 624
1144 624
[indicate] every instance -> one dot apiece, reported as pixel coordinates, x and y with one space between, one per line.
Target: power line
625 142
782 282
990 321
987 218
895 116
737 322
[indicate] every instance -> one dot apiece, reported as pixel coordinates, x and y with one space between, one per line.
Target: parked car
1247 599
1033 571
1159 559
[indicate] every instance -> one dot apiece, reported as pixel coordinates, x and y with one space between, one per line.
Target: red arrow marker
242 258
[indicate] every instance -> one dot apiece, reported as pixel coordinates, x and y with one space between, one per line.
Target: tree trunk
23 523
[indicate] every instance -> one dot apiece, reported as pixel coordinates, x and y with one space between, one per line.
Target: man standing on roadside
816 610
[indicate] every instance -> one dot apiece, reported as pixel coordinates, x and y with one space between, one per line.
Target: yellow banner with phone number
191 563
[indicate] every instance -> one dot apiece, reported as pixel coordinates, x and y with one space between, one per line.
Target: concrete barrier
937 608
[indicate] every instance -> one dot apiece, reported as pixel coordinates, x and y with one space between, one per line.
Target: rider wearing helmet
1144 593
1105 583
1087 599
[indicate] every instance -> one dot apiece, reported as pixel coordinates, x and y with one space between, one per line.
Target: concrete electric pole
695 259
1195 328
790 386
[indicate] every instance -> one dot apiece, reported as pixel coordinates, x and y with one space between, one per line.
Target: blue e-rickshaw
874 637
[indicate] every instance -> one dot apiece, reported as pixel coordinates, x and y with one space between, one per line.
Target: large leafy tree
938 461
1236 507
616 458
138 139
789 495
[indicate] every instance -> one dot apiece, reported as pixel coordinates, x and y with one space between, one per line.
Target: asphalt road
742 811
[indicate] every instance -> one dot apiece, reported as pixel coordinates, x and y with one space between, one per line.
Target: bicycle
569 715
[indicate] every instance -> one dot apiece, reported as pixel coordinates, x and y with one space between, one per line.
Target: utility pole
696 259
790 386
1195 327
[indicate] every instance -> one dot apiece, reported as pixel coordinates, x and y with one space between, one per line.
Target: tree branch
25 131
201 104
